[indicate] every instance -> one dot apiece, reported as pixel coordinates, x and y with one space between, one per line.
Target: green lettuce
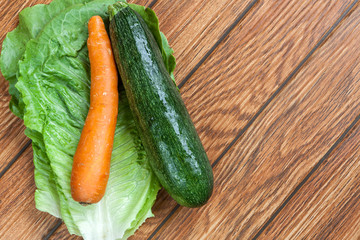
31 22
45 60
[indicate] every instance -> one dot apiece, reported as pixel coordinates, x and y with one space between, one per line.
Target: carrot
91 166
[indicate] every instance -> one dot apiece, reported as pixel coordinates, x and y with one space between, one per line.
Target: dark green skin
169 137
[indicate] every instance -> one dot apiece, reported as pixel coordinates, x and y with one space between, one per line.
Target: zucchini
170 140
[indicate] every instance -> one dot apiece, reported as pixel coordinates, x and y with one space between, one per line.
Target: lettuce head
45 60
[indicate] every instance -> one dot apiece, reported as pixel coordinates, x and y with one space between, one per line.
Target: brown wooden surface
281 146
63 233
328 205
12 137
251 49
19 217
193 27
225 77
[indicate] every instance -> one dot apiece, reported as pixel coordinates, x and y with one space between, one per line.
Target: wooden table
273 88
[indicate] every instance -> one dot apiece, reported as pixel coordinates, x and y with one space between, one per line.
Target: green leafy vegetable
45 61
31 22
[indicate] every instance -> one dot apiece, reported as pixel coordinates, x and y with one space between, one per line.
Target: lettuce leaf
46 195
31 22
45 60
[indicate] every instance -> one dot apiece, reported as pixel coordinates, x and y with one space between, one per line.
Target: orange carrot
91 167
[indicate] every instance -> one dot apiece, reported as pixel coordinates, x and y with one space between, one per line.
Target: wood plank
233 84
63 233
183 60
19 218
193 27
12 137
257 57
282 146
327 206
9 14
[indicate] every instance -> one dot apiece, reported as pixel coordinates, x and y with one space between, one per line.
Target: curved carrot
91 167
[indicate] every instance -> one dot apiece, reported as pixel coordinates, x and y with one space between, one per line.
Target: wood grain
193 27
232 85
328 205
63 233
226 92
256 58
19 218
12 137
9 14
282 146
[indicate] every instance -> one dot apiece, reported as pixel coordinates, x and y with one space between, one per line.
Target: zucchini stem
115 8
